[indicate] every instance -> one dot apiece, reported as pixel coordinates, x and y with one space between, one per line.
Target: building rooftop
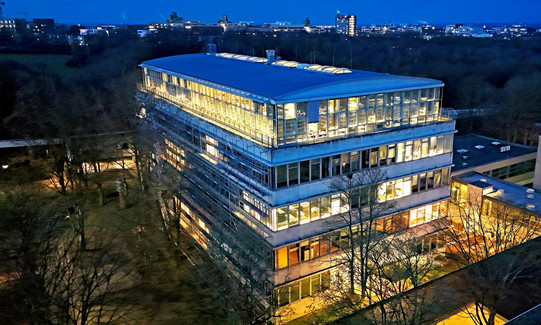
483 150
506 192
282 81
529 317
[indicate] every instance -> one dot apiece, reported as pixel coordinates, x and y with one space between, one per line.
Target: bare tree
60 276
359 193
93 280
397 282
481 233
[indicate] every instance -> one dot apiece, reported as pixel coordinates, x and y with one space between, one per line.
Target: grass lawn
55 62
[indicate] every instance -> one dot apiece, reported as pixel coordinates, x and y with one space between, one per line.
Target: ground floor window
303 288
430 243
424 214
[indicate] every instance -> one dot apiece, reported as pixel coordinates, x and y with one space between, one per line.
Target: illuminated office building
259 141
345 24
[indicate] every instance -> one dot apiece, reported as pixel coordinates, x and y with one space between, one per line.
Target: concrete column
537 173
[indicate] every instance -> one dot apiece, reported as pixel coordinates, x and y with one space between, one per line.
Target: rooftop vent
530 190
496 143
483 180
530 206
277 61
479 147
462 150
271 56
530 196
465 157
464 164
285 63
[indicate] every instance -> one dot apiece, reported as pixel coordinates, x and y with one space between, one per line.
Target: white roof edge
290 98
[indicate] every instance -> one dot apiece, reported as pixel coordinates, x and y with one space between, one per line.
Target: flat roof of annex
481 150
281 81
506 192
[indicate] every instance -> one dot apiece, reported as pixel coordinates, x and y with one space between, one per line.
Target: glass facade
314 169
354 161
230 190
246 117
427 213
333 204
318 246
303 288
274 125
512 170
245 204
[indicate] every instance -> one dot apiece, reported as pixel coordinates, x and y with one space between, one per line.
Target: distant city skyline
209 11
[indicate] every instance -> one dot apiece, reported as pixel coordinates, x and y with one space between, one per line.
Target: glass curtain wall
274 125
326 206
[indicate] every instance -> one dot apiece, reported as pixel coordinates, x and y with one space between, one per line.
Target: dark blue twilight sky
320 12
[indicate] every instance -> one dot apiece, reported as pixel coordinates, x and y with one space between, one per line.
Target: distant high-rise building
345 24
306 22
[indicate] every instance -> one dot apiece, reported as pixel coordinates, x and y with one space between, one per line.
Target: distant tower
345 24
174 18
224 20
306 22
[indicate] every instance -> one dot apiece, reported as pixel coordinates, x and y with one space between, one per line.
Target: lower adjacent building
492 192
512 162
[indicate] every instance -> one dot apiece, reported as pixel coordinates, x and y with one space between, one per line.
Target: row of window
174 155
255 256
512 170
320 168
427 213
329 243
307 250
396 189
296 121
240 113
356 115
231 196
351 162
304 212
303 288
312 285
